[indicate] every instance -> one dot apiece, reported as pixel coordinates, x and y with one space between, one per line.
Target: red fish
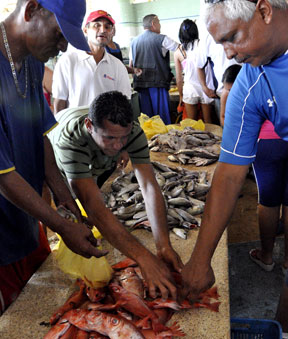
75 300
124 264
134 304
95 294
131 282
58 330
174 330
160 303
113 326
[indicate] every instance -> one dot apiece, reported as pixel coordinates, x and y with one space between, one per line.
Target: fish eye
115 321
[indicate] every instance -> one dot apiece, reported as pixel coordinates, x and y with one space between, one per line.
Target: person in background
211 53
79 76
228 79
29 36
88 143
185 58
114 49
254 33
150 52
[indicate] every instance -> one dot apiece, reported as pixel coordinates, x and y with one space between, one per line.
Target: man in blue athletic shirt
254 33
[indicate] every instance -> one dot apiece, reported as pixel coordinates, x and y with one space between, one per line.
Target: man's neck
15 43
97 52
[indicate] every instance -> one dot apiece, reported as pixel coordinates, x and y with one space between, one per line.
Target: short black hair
113 106
231 73
188 32
147 20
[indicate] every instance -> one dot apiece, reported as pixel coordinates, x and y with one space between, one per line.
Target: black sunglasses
216 1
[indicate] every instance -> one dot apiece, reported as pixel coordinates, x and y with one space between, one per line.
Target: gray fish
173 213
136 197
179 202
155 149
176 191
111 201
128 188
140 215
160 166
186 216
131 223
180 232
172 158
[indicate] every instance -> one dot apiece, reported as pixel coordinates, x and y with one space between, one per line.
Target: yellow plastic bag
152 126
199 125
96 272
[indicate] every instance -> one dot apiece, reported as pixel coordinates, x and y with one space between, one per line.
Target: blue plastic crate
255 329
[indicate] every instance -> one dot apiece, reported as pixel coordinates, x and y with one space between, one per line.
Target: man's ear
31 8
88 124
265 9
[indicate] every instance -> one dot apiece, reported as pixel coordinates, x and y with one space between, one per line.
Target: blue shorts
271 172
155 101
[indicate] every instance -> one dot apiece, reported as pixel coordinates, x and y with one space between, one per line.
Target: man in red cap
79 76
34 32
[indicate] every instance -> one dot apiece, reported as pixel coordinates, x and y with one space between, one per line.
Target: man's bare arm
155 272
59 105
226 186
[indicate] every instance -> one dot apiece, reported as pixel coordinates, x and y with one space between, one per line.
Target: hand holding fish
196 278
123 160
79 238
158 277
170 257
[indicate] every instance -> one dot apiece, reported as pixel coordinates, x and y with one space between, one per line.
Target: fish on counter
123 310
187 146
183 192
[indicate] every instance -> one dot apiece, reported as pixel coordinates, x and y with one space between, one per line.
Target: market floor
254 293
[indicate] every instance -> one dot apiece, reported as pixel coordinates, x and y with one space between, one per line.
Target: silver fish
179 202
180 232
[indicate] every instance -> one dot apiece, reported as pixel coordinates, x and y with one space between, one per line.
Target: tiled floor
254 293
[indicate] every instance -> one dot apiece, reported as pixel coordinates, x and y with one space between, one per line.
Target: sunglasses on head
216 1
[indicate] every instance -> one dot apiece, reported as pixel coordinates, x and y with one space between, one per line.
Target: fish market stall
49 288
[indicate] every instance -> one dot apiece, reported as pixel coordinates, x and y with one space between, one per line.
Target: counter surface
49 288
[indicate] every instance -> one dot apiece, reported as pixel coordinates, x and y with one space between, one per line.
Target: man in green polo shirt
87 143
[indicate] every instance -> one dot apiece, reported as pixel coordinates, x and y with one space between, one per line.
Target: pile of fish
188 146
122 309
183 192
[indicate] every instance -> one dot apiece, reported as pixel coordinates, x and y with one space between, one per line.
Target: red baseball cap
99 14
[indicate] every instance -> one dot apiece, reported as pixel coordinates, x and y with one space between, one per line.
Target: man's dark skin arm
156 212
154 270
227 182
59 105
15 189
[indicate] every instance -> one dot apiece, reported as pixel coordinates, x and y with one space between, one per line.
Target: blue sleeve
6 164
243 119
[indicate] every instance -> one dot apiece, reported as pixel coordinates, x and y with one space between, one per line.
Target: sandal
256 260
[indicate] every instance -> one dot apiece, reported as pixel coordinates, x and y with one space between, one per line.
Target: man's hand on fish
171 258
196 278
158 277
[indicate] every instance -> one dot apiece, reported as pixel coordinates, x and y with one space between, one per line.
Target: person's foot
255 256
